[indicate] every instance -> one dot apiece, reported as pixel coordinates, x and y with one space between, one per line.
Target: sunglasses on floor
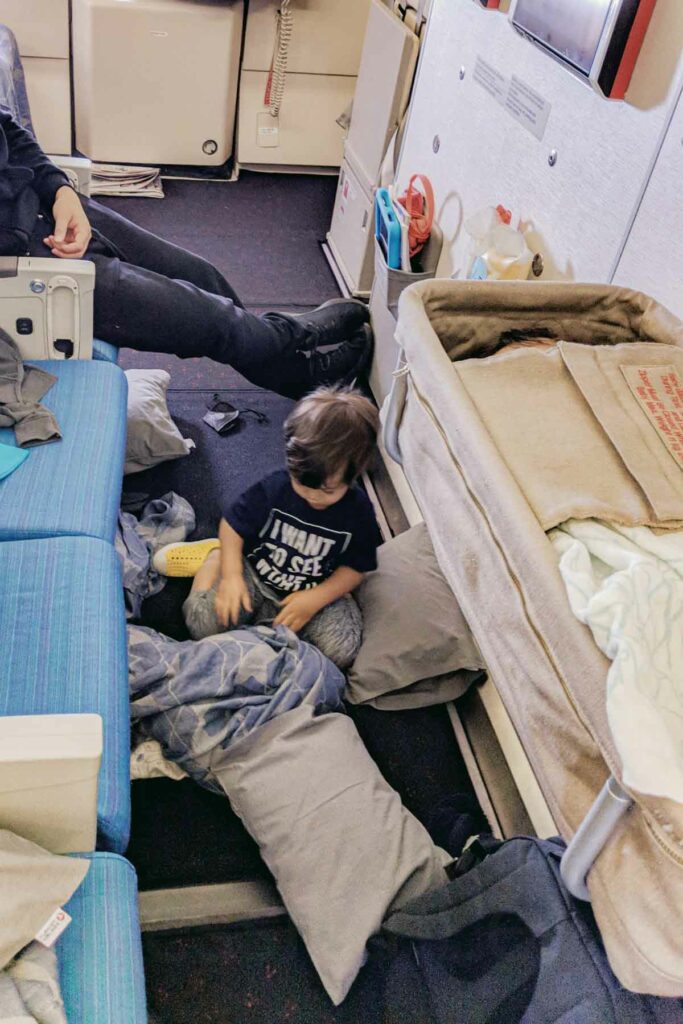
223 416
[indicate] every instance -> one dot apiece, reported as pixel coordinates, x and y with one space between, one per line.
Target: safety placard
519 99
659 392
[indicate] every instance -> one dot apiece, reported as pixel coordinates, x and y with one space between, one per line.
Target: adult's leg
139 308
157 297
142 248
337 631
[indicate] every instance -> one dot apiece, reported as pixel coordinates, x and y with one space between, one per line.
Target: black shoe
345 363
334 322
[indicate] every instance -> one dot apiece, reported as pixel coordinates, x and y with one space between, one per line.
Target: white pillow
342 847
152 435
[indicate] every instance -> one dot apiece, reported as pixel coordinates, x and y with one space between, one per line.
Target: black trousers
154 296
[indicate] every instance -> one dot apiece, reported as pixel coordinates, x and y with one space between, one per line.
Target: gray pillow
413 630
33 884
152 435
343 849
425 692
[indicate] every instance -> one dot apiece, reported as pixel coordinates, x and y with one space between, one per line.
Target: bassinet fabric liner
503 571
574 436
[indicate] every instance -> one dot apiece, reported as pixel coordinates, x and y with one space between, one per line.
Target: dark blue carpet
250 975
262 232
213 475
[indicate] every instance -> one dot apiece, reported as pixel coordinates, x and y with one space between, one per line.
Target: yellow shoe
184 559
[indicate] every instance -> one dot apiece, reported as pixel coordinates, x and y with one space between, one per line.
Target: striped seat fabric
100 953
72 486
103 350
63 643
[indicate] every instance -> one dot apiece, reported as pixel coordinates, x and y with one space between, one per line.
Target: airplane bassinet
501 566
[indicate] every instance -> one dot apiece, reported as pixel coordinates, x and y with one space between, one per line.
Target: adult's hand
72 228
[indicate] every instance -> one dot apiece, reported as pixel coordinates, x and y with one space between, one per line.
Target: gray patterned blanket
196 697
164 520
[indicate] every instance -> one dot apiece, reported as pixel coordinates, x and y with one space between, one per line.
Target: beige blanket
569 424
33 885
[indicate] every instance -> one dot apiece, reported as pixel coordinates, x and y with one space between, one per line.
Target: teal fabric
63 651
103 350
100 953
10 459
73 486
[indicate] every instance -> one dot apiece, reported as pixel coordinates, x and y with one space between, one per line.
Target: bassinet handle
392 410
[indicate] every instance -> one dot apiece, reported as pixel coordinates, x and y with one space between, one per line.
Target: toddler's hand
298 609
231 596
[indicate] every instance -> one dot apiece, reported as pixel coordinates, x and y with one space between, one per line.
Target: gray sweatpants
336 630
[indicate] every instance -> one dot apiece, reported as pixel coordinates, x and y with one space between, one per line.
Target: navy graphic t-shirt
291 546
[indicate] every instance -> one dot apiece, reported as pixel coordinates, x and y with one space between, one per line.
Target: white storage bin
48 779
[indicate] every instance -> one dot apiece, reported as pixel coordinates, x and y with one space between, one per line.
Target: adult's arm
24 151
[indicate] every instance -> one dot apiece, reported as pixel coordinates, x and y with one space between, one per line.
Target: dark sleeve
248 514
361 553
24 151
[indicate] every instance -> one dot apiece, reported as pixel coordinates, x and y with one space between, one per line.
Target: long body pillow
343 849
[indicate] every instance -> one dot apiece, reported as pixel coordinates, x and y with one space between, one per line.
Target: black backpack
504 942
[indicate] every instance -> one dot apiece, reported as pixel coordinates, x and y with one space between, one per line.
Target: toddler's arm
299 608
231 594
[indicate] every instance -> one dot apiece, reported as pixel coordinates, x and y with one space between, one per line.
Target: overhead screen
570 28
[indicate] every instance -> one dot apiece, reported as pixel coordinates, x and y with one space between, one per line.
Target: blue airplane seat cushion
103 350
100 953
72 486
64 651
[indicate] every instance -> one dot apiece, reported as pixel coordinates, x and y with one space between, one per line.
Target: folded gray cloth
12 1007
35 973
21 388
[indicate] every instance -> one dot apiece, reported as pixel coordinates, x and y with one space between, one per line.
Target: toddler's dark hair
330 431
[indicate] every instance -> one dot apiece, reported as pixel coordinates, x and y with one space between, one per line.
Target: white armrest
46 306
48 779
79 170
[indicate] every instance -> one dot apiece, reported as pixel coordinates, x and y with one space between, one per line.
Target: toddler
292 548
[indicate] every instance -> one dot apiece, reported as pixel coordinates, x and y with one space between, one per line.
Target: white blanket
626 584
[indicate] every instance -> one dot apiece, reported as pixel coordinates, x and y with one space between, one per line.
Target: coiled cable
283 37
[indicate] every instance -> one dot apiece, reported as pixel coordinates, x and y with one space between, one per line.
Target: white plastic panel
308 134
41 26
652 260
384 79
57 297
352 231
49 96
48 779
155 80
576 212
327 37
